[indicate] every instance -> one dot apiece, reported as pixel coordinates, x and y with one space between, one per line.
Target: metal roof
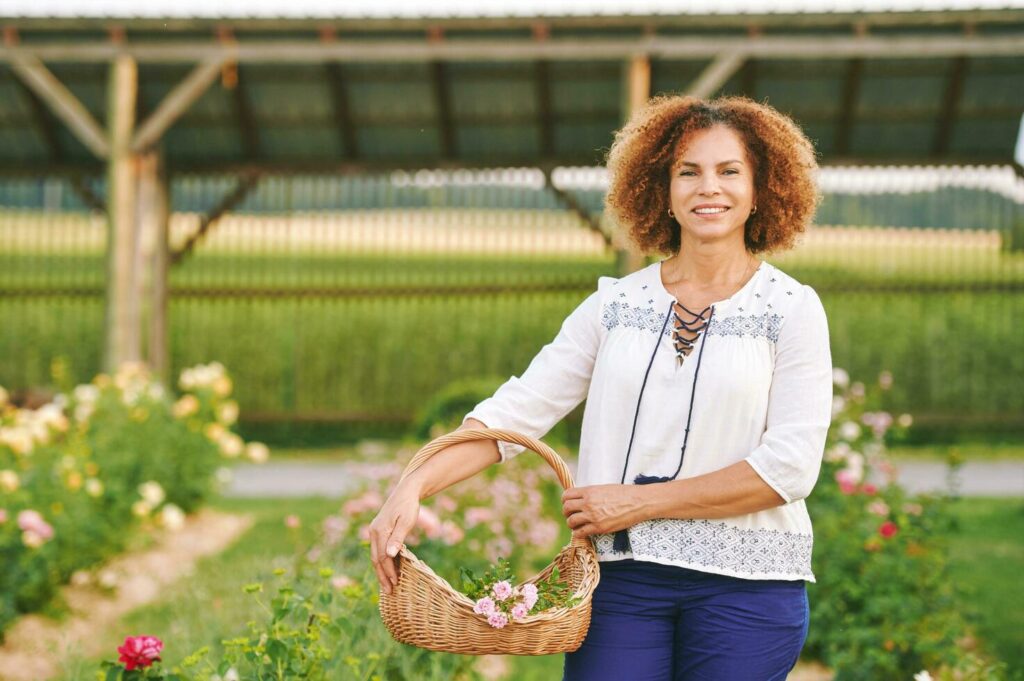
276 9
345 95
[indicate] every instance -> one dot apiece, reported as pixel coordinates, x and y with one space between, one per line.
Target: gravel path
300 479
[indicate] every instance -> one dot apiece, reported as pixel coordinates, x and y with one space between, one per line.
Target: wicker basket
425 611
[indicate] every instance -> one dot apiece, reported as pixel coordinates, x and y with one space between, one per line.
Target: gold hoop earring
670 213
754 209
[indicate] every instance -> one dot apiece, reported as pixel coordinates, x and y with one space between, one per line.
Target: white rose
9 481
231 445
257 452
93 487
849 430
172 517
152 493
838 404
227 413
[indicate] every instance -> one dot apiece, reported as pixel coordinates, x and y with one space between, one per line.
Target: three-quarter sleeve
555 382
788 457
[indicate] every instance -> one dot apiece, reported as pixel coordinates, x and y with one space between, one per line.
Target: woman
708 384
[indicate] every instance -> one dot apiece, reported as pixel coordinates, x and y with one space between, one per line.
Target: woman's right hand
388 530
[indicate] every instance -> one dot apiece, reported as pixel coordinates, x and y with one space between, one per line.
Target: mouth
717 210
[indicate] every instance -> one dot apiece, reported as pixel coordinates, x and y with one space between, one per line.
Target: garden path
334 479
34 646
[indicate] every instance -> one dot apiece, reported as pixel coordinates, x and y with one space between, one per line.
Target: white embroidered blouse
763 394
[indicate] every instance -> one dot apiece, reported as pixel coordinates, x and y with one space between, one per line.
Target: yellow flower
214 431
230 445
93 487
9 481
257 452
186 406
227 413
141 509
74 481
222 386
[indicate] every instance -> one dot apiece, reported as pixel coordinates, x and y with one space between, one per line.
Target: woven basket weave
425 611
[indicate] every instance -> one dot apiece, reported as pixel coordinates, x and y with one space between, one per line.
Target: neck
710 265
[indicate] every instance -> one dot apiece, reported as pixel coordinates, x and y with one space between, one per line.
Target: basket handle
434 446
469 435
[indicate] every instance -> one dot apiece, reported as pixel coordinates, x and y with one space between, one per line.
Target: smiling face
712 187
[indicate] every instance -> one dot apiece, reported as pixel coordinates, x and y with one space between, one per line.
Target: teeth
708 211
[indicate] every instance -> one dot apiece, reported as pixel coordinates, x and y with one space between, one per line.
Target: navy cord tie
621 542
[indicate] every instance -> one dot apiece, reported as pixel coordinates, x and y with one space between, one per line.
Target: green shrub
81 476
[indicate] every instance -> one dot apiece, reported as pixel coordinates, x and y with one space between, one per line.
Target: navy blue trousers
654 622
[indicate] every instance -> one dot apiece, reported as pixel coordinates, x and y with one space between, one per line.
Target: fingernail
392 551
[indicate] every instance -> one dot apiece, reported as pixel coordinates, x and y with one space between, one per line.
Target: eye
687 172
732 171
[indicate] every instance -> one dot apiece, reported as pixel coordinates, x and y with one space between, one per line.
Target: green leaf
114 673
277 650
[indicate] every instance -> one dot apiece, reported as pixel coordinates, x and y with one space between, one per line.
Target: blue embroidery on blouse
766 325
623 314
717 545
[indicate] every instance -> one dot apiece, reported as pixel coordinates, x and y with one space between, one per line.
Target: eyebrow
723 163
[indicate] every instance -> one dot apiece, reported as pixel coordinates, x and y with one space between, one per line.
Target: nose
708 184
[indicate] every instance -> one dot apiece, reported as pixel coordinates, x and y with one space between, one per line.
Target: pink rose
477 515
31 521
519 611
502 590
484 606
140 651
878 507
529 592
498 620
869 489
429 523
847 480
292 522
451 533
888 529
341 581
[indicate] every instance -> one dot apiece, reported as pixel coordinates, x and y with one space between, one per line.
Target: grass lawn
987 559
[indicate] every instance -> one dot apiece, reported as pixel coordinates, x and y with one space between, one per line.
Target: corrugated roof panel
976 137
407 99
510 141
671 77
281 102
823 135
88 82
13 107
463 8
995 82
386 142
19 145
305 142
517 98
880 93
596 95
584 140
202 143
892 138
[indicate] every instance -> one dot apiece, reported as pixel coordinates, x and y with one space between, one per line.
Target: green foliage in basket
884 606
82 475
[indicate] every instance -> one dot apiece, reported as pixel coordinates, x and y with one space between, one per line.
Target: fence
352 300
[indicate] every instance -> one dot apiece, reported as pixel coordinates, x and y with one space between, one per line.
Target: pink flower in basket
498 620
520 611
502 590
484 606
529 592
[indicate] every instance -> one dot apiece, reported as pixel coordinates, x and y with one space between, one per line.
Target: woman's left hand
600 509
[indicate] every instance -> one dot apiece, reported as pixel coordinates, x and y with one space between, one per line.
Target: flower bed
82 476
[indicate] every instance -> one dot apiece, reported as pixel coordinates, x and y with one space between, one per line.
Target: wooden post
154 259
637 91
123 333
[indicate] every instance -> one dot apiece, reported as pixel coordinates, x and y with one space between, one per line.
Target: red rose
869 489
888 529
140 651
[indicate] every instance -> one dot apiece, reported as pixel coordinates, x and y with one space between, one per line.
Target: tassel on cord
621 542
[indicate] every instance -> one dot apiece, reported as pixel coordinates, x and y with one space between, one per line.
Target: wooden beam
41 121
848 106
122 314
176 102
154 259
950 106
245 185
895 46
342 110
637 91
715 74
34 74
442 101
246 119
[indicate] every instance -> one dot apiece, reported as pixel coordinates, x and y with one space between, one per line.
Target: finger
391 548
585 531
375 553
572 493
572 506
576 520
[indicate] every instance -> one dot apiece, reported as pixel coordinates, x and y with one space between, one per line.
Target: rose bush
82 475
884 605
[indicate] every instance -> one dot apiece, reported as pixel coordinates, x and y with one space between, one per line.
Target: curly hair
640 160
